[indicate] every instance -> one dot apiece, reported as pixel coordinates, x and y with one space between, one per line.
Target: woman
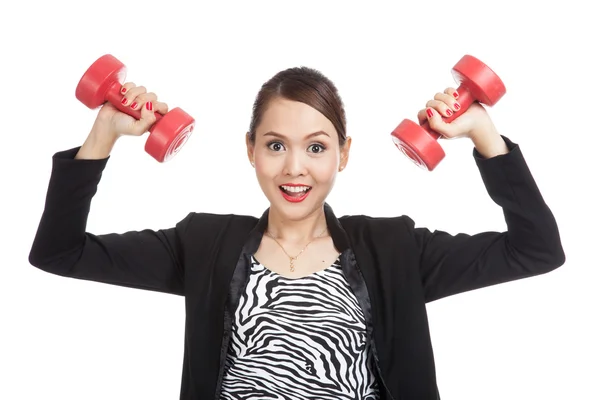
300 303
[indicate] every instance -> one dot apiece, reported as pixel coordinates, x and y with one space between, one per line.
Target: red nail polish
449 112
123 90
124 100
457 106
133 105
149 106
455 94
429 113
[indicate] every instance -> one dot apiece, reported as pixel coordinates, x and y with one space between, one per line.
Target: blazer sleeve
146 259
531 245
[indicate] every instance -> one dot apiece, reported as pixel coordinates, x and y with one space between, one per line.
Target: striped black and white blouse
299 339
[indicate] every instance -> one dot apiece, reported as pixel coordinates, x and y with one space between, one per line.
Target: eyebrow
310 135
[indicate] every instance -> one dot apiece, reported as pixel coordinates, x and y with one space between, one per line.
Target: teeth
296 189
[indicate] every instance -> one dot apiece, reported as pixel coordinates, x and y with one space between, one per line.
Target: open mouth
295 193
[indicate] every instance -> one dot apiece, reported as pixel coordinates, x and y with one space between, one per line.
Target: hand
111 123
473 123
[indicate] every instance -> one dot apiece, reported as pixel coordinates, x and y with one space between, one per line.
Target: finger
147 118
131 94
157 106
448 100
452 92
437 123
422 116
141 99
127 86
440 107
161 108
425 115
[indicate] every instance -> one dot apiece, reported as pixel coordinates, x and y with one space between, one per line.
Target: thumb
146 120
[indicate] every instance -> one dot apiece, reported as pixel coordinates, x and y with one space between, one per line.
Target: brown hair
306 85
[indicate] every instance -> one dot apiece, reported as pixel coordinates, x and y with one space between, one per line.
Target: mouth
295 193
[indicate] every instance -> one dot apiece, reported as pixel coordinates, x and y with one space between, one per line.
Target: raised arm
144 259
530 246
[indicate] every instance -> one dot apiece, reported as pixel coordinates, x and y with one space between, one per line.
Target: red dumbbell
102 82
477 83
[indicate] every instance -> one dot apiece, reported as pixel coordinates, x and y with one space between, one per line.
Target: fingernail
429 113
149 105
455 94
124 101
133 105
448 112
123 90
457 106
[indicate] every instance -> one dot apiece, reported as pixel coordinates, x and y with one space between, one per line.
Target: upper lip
295 184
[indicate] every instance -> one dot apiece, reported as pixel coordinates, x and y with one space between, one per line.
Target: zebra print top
299 339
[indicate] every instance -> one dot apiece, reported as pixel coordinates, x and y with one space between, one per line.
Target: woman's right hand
111 123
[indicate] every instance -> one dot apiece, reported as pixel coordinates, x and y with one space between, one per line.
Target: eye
314 148
275 146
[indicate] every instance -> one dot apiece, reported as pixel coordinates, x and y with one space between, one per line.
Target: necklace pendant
292 266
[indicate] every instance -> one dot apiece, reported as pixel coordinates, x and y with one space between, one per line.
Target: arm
530 246
146 259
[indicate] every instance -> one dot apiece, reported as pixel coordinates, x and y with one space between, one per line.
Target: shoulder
380 232
217 221
361 221
200 229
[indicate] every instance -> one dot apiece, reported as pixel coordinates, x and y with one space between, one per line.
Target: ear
249 149
345 153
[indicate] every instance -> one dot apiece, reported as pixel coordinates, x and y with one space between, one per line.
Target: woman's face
297 156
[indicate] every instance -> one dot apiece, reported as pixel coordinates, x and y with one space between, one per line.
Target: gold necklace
293 259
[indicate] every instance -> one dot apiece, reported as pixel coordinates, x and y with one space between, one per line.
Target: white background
70 339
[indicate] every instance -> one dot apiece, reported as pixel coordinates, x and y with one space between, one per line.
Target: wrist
98 145
483 131
102 132
488 142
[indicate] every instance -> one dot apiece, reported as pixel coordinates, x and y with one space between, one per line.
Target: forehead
293 118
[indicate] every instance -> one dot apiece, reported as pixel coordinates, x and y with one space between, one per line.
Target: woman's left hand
474 123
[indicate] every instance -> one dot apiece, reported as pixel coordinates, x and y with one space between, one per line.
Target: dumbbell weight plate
95 82
169 134
485 86
418 144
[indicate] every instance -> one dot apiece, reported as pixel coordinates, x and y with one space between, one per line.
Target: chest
299 338
323 298
279 258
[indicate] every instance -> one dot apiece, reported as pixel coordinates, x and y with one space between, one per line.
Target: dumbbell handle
114 96
465 99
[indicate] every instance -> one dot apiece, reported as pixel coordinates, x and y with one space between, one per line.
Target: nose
294 164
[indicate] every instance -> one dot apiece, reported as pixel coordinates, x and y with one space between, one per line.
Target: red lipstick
294 199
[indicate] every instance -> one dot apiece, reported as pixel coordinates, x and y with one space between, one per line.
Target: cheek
325 172
265 174
265 169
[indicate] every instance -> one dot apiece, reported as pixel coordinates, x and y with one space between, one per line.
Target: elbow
557 259
549 253
553 258
35 258
38 257
538 260
38 261
58 265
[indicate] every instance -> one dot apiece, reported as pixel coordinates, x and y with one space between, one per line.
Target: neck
297 231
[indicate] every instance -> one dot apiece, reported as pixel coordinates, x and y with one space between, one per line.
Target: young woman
300 303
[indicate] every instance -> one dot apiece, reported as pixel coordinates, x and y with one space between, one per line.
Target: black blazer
393 267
